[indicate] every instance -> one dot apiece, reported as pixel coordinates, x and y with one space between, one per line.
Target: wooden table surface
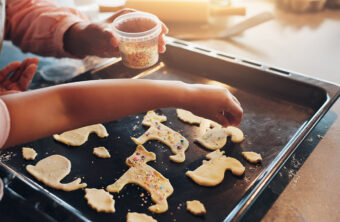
309 44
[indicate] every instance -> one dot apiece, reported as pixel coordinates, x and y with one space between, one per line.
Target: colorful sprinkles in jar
137 34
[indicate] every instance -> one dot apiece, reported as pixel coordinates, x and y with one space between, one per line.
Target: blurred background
263 30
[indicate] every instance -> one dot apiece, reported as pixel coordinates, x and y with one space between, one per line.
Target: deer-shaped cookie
211 173
147 177
158 131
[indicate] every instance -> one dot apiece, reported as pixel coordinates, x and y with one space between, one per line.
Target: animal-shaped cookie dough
196 207
188 117
158 131
147 177
213 139
216 137
139 217
28 153
211 173
252 157
51 170
100 200
79 136
235 133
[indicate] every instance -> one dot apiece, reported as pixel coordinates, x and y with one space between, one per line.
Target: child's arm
43 112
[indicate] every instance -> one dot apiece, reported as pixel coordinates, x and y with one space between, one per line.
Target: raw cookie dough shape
213 139
100 200
139 217
196 207
101 152
51 170
214 136
235 133
79 136
252 157
28 153
188 117
158 131
211 173
147 177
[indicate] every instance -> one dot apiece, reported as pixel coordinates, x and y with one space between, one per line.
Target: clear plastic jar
137 33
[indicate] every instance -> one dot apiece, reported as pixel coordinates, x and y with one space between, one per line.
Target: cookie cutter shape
158 131
79 136
216 138
100 200
211 173
51 170
147 177
188 117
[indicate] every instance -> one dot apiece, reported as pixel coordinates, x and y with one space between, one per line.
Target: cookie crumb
320 137
196 207
310 139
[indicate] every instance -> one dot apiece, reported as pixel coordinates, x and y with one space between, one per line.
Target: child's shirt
39 26
4 123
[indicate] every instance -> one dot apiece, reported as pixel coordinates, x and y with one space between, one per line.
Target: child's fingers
6 71
23 66
13 86
233 111
27 76
161 39
161 43
165 29
114 41
6 83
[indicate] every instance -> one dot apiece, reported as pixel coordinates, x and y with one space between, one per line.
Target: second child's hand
17 76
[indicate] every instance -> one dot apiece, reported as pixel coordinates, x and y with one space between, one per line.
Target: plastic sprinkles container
137 33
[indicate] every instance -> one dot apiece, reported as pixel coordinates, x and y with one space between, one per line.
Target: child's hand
216 103
17 76
97 39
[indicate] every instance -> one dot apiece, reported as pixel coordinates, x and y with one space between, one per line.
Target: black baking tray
280 109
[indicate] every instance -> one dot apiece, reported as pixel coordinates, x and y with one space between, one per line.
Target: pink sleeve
4 123
39 26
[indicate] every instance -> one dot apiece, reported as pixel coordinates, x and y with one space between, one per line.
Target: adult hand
17 76
97 39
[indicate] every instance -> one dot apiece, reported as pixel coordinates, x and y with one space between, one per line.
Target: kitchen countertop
309 44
